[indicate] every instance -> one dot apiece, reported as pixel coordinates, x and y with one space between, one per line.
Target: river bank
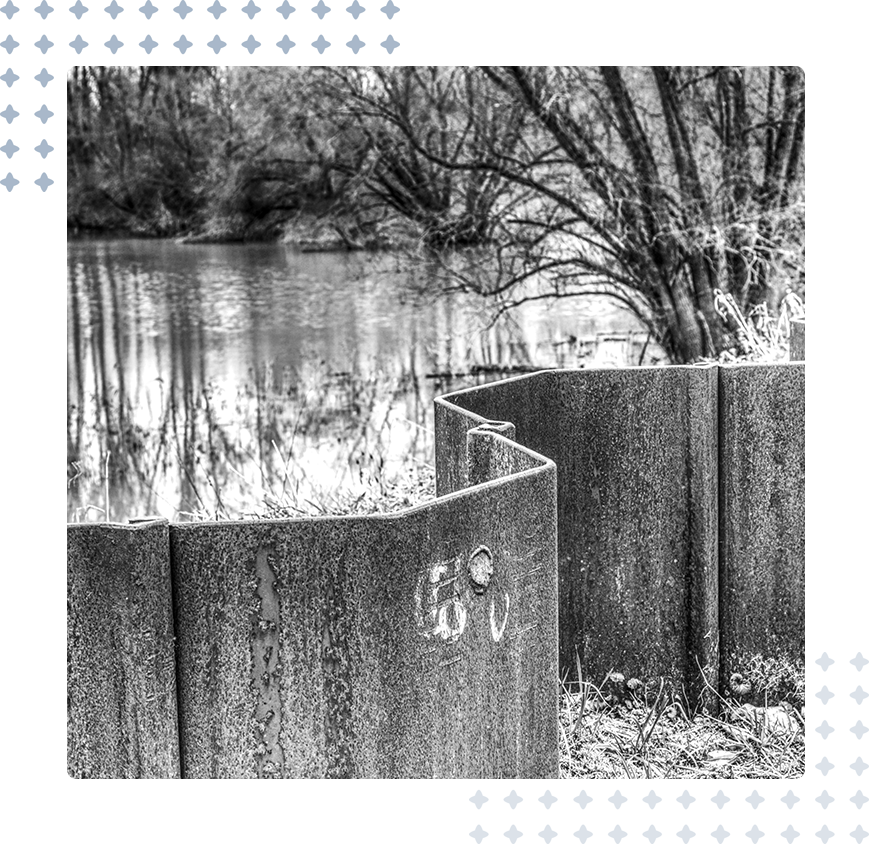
303 231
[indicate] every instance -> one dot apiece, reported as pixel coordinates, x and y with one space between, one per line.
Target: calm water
223 380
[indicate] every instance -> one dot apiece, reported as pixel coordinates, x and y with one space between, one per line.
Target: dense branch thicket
657 186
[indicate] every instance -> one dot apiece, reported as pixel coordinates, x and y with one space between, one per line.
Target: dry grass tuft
759 337
605 734
765 681
414 487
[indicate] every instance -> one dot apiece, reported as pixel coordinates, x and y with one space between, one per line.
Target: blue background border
38 41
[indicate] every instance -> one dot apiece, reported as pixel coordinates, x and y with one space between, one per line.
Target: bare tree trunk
689 344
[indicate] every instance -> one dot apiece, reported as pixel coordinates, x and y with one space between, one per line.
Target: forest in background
676 191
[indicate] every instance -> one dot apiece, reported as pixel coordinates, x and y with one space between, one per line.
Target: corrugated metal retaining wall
426 643
421 644
680 510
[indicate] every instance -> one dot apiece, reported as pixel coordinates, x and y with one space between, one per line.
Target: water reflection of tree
187 446
75 375
185 349
153 401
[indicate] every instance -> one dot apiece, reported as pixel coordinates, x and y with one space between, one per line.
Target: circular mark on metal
480 569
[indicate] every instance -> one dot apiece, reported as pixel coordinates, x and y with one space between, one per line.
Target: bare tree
138 141
655 186
423 126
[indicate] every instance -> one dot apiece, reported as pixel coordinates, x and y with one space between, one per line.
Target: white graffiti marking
498 632
452 619
439 608
440 611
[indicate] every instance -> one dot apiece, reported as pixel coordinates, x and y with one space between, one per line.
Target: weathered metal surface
426 643
762 513
121 699
637 508
421 644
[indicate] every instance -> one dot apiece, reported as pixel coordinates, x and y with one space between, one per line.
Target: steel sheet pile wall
421 644
121 700
426 643
636 457
639 459
763 455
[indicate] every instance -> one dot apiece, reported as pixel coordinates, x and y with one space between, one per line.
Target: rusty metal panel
636 451
426 643
121 699
762 513
421 644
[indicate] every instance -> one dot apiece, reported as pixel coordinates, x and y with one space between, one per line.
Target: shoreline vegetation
303 232
657 187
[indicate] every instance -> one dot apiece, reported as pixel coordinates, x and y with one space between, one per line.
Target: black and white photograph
436 422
